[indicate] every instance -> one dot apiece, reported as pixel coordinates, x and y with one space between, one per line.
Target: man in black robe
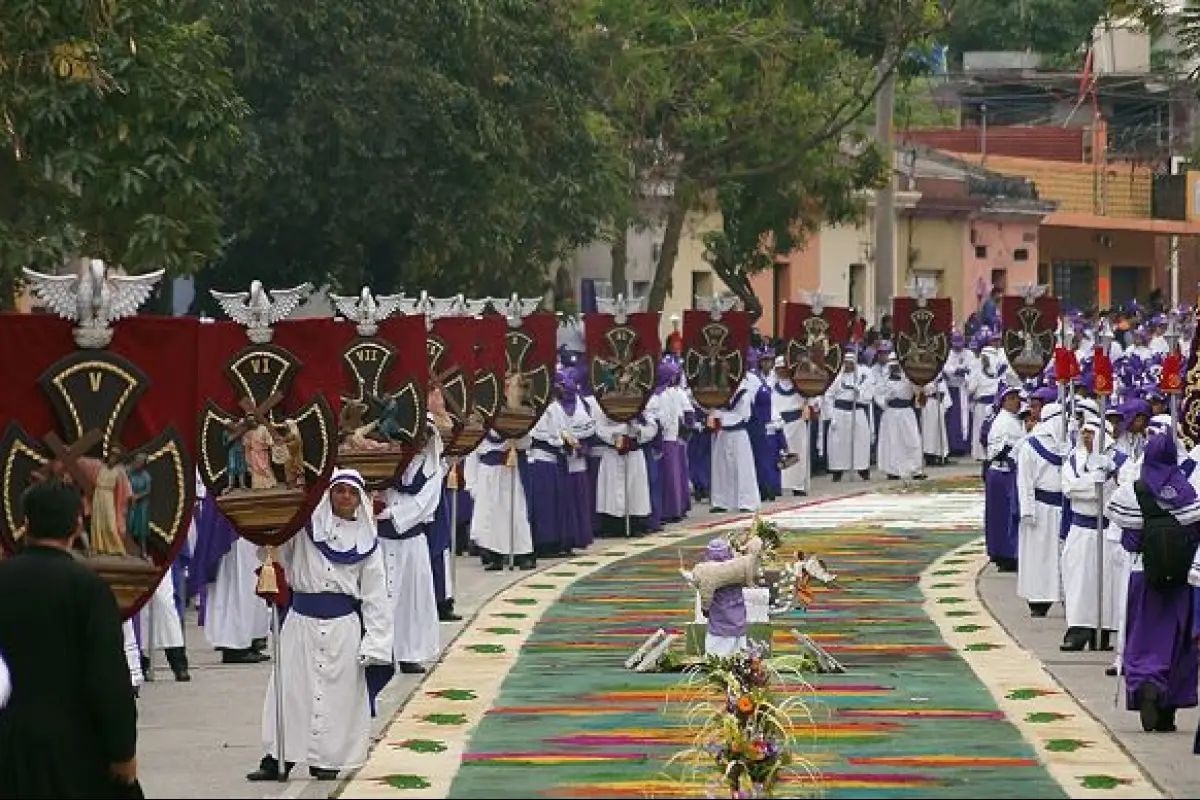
69 729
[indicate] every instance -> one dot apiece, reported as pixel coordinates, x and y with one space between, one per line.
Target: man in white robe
848 444
734 476
160 628
500 519
236 620
900 453
793 413
1082 581
1039 494
335 647
982 384
623 483
408 510
935 408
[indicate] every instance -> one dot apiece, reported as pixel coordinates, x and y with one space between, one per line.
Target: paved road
198 740
1166 758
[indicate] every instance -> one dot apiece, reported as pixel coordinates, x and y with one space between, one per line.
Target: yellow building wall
1119 189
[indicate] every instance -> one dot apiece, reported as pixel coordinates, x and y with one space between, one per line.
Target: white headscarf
362 538
1050 422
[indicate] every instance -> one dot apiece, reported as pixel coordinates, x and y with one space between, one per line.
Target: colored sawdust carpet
908 719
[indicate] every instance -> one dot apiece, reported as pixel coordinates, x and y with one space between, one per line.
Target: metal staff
455 488
1104 335
150 637
854 417
625 475
1172 337
512 517
277 670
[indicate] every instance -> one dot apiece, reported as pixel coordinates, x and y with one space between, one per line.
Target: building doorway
1126 285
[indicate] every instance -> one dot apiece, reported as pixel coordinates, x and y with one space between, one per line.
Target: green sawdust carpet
909 718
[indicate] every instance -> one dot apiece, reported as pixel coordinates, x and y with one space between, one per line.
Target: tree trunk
619 250
665 267
739 283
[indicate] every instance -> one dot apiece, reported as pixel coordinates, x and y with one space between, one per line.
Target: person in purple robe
676 419
1161 662
726 614
764 445
576 506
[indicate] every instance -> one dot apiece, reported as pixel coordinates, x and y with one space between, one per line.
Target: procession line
1077 750
421 749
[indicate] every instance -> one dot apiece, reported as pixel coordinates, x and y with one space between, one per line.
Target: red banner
1030 326
814 345
1066 366
267 433
531 356
1102 371
714 356
128 407
921 332
622 361
1171 381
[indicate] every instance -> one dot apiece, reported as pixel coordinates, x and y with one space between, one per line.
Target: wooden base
376 466
514 424
711 398
131 578
265 510
622 407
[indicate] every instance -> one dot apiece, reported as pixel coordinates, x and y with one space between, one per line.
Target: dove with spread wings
366 310
259 309
94 298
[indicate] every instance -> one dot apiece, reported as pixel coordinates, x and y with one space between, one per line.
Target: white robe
133 657
982 385
406 561
234 616
1039 483
935 440
500 519
326 713
899 437
734 476
791 409
623 481
1081 552
850 427
159 618
960 365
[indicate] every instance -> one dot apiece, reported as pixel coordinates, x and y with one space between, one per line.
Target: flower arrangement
744 738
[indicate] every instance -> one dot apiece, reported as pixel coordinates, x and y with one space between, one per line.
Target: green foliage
113 123
1054 28
418 144
750 108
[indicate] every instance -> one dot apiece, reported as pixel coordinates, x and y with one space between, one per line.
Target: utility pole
885 198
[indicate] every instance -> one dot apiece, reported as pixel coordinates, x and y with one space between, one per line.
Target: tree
415 144
1053 28
753 105
114 122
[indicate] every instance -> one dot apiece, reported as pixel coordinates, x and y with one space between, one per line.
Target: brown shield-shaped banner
267 439
814 345
1030 325
382 419
714 354
118 424
487 361
922 336
451 351
622 361
531 355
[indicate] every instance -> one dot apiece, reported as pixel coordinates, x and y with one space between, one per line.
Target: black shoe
248 656
1166 721
493 566
890 477
865 474
836 477
411 668
1111 672
716 510
268 770
1039 609
145 664
1077 639
1147 697
177 658
1106 637
321 774
799 493
258 645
